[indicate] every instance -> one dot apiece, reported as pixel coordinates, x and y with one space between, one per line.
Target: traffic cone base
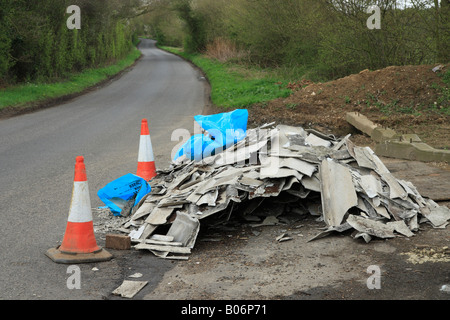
61 257
79 244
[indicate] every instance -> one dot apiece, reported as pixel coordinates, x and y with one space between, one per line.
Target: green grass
444 93
236 86
21 95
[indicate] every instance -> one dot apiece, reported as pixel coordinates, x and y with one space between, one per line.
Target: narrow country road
37 157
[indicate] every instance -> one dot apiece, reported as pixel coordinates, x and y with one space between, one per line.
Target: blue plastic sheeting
223 130
199 146
119 192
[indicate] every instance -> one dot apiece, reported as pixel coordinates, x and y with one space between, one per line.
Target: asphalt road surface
37 157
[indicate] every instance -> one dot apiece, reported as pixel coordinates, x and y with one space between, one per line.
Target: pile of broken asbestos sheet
346 186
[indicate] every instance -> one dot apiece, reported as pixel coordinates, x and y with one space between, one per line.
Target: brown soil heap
407 99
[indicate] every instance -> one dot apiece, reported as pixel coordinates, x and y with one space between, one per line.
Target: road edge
9 112
209 107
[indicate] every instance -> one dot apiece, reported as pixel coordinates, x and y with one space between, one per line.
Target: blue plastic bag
223 130
119 192
197 147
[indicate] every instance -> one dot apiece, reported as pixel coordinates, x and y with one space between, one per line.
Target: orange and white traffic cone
146 163
79 244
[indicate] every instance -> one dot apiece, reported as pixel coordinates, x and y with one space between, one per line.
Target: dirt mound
408 99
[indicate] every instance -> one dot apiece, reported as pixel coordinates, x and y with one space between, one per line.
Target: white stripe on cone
145 149
80 207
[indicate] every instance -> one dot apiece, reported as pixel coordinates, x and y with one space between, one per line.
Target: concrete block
418 151
360 122
118 242
410 138
407 146
380 134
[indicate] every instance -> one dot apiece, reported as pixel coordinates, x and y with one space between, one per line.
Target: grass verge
444 92
233 85
31 93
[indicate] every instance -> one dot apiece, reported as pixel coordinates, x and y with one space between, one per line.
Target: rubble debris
422 254
283 237
437 215
268 221
274 171
136 275
371 227
445 288
438 68
129 288
343 227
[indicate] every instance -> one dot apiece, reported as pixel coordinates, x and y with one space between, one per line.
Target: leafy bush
36 45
